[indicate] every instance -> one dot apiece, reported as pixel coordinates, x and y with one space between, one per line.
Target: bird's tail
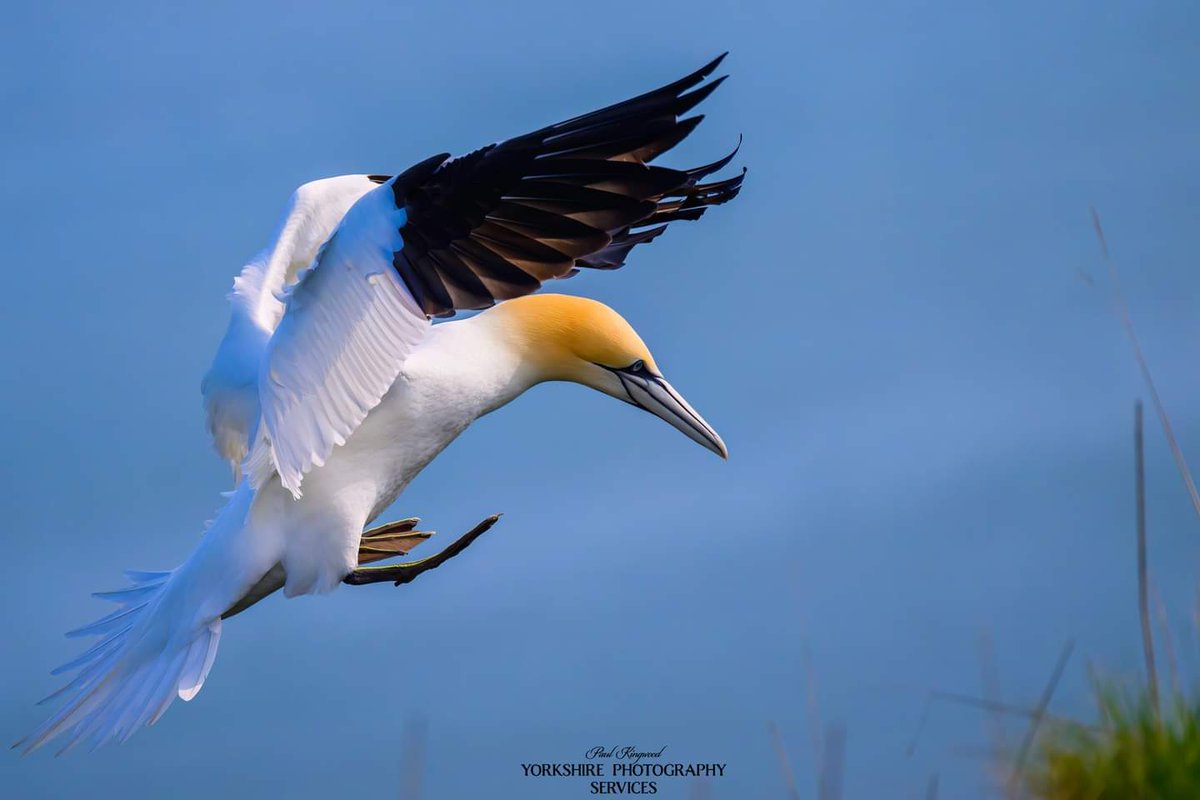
128 679
160 643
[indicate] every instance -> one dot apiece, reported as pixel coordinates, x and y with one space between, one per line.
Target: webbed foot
407 571
393 539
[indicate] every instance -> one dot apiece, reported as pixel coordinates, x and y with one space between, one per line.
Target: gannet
332 390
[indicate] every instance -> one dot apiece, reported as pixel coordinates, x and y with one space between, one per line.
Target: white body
459 373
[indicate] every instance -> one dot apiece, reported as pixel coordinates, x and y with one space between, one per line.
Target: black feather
498 222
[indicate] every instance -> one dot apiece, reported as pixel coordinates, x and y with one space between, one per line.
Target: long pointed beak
652 393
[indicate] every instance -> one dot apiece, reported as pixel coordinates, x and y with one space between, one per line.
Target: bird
332 388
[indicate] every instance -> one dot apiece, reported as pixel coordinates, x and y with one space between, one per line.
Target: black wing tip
711 66
692 201
719 192
688 205
689 124
688 81
697 173
674 96
687 102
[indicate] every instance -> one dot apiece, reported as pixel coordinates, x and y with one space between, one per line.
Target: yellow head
575 339
565 336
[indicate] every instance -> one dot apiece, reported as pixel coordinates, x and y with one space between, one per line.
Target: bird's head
575 339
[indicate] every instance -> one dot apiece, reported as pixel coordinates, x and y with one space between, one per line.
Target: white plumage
230 387
350 324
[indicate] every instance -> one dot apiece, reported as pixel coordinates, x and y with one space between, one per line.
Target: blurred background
903 329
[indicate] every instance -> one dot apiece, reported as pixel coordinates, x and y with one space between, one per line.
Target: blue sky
928 410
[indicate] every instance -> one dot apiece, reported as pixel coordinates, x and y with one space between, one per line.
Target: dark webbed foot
408 571
393 539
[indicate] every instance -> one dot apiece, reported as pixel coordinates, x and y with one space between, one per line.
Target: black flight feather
498 222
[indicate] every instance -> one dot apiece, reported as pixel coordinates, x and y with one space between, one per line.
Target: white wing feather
349 325
230 387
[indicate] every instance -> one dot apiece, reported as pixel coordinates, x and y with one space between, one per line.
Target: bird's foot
408 571
393 539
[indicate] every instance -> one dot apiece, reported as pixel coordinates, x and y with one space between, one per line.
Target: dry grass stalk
1143 578
1168 641
1014 781
1122 309
701 789
833 763
785 764
990 680
414 740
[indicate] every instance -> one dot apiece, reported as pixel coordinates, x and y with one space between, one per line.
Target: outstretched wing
498 222
464 233
230 387
349 325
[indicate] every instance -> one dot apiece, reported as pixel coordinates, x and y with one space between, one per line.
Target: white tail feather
129 678
199 661
161 641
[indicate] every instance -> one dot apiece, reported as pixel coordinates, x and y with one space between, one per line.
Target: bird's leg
408 571
385 541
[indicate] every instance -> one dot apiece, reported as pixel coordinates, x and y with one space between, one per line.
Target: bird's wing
496 223
349 324
464 233
230 387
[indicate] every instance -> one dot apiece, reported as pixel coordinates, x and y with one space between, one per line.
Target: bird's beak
652 393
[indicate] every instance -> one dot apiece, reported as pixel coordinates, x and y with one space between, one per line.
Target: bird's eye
637 366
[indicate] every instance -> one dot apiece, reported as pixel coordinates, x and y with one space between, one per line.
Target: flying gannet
332 390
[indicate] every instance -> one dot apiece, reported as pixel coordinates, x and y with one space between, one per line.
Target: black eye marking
637 369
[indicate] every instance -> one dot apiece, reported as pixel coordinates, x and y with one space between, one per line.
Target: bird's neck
497 355
479 362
